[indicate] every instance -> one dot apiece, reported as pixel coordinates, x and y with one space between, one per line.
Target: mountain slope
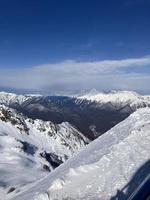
92 114
88 117
110 167
30 149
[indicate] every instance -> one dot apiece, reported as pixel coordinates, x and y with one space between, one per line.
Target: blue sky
43 44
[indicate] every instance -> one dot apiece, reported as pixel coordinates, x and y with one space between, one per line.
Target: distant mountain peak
118 98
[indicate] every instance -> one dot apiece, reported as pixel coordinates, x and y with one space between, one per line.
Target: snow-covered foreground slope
30 149
118 99
114 164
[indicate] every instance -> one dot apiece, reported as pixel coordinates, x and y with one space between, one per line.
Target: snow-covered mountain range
111 167
30 149
92 114
117 99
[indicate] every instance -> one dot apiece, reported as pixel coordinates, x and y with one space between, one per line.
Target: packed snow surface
113 164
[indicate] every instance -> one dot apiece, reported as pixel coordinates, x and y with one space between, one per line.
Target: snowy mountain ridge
114 97
30 149
110 167
117 98
9 98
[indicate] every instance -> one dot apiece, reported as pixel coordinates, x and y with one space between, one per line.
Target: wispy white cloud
73 75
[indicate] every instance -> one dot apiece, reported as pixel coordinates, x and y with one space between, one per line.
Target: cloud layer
70 75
